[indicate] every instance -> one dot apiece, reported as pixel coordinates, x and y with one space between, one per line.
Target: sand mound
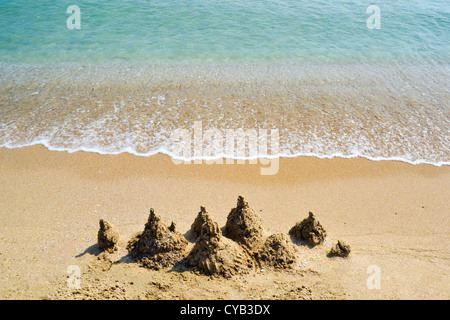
340 250
215 255
201 218
309 230
107 236
278 252
157 246
244 225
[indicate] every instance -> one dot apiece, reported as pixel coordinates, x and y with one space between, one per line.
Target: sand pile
278 252
340 250
216 255
107 237
309 230
157 246
201 218
244 225
242 247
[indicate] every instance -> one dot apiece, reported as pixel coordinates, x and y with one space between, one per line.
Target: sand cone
157 246
107 237
244 225
215 255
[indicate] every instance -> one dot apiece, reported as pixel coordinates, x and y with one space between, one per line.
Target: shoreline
205 160
393 214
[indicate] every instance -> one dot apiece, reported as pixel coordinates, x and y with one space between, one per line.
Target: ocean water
137 71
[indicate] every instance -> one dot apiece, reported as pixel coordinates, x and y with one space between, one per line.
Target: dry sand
395 216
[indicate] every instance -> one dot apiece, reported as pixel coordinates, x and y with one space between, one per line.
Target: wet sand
394 215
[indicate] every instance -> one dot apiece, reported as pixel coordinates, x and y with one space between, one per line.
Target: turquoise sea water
136 71
179 31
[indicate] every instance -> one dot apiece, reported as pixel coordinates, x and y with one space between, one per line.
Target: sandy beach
395 216
224 150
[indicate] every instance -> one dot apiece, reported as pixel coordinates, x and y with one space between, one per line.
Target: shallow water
137 71
181 31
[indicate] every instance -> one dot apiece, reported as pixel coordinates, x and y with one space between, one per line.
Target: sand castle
201 218
244 225
216 255
107 236
309 230
157 246
241 248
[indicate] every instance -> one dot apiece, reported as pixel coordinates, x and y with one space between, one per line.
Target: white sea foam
165 151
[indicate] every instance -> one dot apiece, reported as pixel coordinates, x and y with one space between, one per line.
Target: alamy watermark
374 21
374 279
74 278
74 21
211 146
